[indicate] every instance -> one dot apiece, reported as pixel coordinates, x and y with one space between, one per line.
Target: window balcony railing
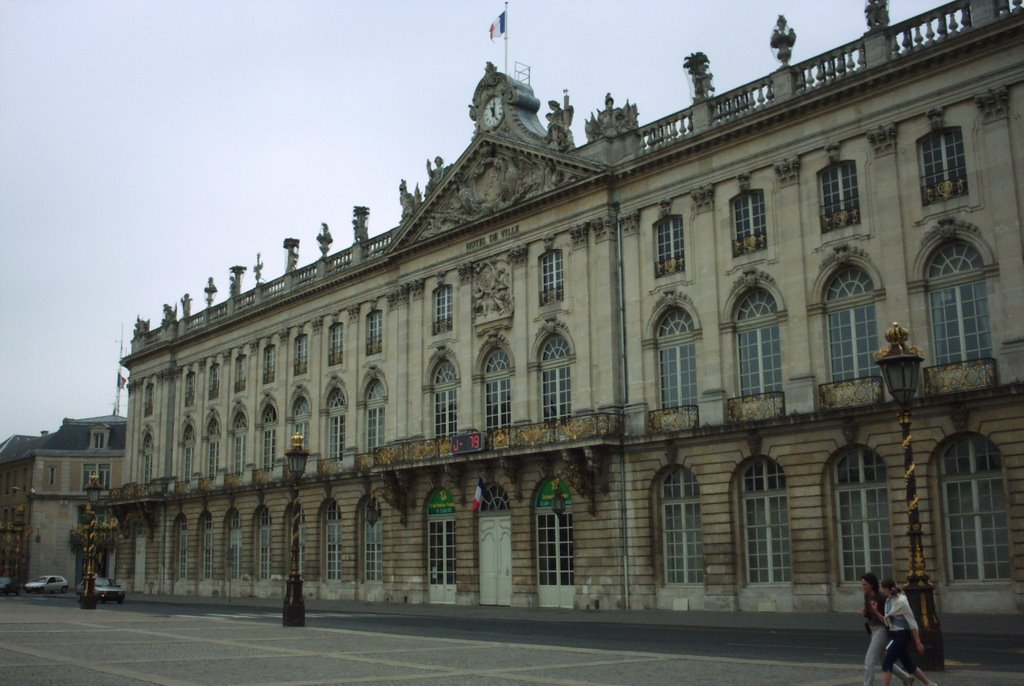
335 357
867 390
551 295
261 476
956 377
943 190
374 347
268 377
214 392
239 385
190 399
749 244
832 219
148 408
672 265
301 367
680 418
442 325
751 408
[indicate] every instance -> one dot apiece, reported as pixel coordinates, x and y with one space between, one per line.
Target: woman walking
875 625
899 617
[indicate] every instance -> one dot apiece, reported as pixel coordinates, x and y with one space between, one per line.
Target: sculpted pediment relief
492 179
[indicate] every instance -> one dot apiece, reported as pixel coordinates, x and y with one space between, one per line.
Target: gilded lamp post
901 364
294 613
92 489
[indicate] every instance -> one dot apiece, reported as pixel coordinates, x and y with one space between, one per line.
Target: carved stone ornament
948 229
850 430
416 288
935 121
783 39
559 119
579 234
494 180
465 272
324 239
832 150
611 121
353 313
317 323
744 182
601 228
883 139
360 226
752 278
398 296
512 468
170 315
788 171
959 414
291 247
517 255
876 14
665 207
210 290
492 289
754 442
630 222
703 197
994 104
670 298
843 254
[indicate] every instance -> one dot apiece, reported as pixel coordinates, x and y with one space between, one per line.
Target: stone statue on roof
783 38
698 66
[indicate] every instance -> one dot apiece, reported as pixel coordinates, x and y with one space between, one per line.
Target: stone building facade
672 325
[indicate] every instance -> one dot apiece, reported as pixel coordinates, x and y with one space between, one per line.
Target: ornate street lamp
294 605
372 511
901 365
92 490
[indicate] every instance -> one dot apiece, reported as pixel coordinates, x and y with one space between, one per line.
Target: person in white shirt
899 617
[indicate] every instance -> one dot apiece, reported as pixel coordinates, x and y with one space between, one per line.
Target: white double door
495 560
441 559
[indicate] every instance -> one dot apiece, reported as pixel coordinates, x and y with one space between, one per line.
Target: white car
47 584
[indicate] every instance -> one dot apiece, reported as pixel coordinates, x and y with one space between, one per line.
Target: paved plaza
43 643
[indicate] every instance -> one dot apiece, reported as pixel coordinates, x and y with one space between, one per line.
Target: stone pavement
44 643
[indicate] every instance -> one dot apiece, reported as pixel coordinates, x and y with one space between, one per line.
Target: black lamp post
557 498
372 511
92 489
901 365
294 605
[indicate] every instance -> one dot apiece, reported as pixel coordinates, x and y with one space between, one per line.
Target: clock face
494 110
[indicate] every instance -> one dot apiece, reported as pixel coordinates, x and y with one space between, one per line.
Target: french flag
481 491
498 27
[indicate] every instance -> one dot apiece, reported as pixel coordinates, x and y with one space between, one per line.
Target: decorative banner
441 503
547 492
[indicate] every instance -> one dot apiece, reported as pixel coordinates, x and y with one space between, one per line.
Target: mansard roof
73 435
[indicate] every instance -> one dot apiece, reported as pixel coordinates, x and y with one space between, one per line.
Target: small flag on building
122 381
481 494
498 27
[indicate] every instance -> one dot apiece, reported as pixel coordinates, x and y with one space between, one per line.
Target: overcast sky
147 145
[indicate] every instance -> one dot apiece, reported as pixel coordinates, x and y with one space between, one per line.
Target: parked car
9 585
106 589
47 584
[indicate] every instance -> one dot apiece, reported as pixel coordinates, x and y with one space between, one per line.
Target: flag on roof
498 28
122 381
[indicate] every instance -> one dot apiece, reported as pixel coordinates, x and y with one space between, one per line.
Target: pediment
493 175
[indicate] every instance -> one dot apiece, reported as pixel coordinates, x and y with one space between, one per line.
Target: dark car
106 589
9 585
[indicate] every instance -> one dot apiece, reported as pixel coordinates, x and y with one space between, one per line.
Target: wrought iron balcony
679 418
955 377
751 408
867 390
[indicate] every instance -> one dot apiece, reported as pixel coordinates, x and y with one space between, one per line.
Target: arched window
495 499
959 305
182 533
269 420
238 442
556 381
862 516
766 523
212 448
376 404
446 400
188 451
265 538
206 525
852 326
497 390
677 359
976 525
301 412
758 346
681 525
147 458
234 545
332 542
336 408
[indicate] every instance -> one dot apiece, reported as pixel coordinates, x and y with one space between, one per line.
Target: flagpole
120 355
506 39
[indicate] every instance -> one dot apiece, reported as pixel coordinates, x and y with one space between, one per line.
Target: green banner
547 492
441 503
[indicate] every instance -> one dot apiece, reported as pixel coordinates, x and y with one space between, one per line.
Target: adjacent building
668 331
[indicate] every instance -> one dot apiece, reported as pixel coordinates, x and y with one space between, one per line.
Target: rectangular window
767 539
52 479
101 470
336 344
183 550
374 427
336 436
240 373
373 569
960 323
749 223
442 309
190 389
943 166
671 258
678 375
214 381
446 412
269 363
498 403
852 343
374 332
301 354
552 287
556 393
840 204
208 548
147 401
269 447
760 356
186 467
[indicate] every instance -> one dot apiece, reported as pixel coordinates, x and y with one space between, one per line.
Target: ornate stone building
671 325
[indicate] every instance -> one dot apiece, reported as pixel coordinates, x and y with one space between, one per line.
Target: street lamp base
922 600
294 613
88 602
